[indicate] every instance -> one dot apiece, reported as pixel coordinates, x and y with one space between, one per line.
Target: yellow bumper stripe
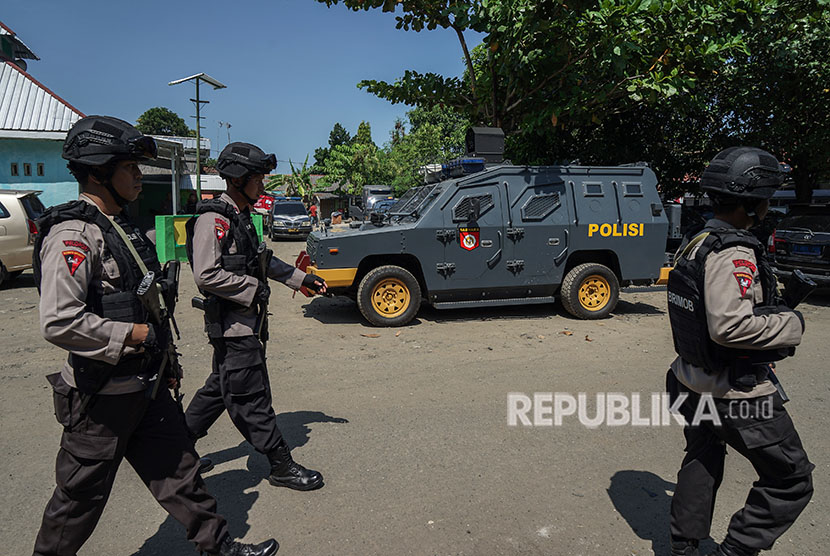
334 277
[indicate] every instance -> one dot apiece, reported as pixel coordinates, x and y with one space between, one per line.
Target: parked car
18 211
802 241
289 218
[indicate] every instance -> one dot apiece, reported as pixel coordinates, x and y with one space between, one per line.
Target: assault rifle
264 256
148 292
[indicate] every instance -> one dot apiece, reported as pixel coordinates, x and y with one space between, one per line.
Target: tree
337 136
162 121
299 182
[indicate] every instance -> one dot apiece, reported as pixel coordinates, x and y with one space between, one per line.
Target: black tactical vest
123 305
242 232
687 310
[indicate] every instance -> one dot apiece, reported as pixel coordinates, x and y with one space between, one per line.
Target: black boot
731 547
229 547
205 465
287 473
684 548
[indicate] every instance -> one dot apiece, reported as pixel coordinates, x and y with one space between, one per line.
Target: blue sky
291 66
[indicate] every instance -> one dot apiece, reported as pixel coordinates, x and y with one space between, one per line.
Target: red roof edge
6 28
45 88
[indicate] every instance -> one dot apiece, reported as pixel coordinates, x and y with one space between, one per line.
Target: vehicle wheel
590 291
3 274
389 296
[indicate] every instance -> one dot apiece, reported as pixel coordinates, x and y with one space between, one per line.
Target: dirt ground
410 430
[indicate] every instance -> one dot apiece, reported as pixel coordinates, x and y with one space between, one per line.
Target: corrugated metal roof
26 105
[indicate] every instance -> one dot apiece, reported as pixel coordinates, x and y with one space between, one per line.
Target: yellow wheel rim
594 293
391 298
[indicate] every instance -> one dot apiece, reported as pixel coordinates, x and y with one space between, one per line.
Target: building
33 125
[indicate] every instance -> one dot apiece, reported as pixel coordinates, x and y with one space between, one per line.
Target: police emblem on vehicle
469 237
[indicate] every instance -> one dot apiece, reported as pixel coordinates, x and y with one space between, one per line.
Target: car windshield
816 223
34 208
416 200
289 209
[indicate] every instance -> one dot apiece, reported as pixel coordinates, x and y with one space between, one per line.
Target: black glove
313 282
152 344
263 292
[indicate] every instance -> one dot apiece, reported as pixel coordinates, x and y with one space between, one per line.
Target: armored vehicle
494 234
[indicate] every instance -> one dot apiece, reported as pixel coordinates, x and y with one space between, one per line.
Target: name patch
617 230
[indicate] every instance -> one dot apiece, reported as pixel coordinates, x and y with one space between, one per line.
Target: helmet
240 159
742 173
97 140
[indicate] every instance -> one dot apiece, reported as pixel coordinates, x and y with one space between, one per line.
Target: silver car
19 209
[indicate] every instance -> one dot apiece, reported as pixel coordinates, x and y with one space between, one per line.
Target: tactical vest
244 262
242 232
687 309
123 305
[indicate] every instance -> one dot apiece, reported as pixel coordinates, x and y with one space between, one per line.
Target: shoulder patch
745 263
221 222
220 232
73 259
78 244
744 281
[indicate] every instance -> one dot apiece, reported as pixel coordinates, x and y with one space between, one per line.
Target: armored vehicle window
539 206
632 189
461 211
416 200
592 188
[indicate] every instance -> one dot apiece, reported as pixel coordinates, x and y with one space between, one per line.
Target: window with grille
40 168
15 170
27 169
461 211
539 207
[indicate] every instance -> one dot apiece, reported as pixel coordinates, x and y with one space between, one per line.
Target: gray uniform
239 380
763 432
121 421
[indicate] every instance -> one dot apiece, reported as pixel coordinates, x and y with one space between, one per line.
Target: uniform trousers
239 383
152 436
760 429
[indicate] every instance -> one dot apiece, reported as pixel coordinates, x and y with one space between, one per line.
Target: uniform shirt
210 234
74 262
731 288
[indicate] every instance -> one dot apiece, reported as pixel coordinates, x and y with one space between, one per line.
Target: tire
389 296
590 291
4 275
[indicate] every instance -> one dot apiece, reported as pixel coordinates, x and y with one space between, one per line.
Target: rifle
797 289
264 256
149 294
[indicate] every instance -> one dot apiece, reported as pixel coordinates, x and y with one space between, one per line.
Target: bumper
285 231
823 280
334 277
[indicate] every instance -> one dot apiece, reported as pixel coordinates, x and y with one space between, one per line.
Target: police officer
729 327
89 262
229 269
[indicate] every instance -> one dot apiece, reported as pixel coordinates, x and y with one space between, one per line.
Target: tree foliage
163 121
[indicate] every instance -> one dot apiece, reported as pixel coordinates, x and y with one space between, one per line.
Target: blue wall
57 183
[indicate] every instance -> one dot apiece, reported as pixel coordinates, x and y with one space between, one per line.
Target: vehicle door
537 230
6 232
474 241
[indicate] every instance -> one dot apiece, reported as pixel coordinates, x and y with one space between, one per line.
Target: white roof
26 105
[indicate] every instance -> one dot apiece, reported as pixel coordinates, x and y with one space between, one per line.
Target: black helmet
742 173
240 159
97 140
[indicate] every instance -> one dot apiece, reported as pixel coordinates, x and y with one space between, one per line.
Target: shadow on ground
232 488
643 500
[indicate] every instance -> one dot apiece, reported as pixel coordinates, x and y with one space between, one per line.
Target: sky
291 67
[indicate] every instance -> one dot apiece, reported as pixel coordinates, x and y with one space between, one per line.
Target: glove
152 343
263 292
313 282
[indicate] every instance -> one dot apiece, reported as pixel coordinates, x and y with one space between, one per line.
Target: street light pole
216 85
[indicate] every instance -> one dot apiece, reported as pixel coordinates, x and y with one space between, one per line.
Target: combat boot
730 547
288 473
684 548
229 547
